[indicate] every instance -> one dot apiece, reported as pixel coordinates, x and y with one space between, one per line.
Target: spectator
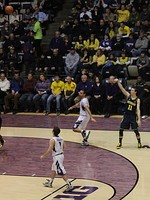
92 44
38 36
133 18
2 59
105 44
97 98
123 62
109 16
85 60
71 61
43 64
123 14
143 64
96 14
66 45
111 93
98 61
124 30
85 14
137 29
111 30
12 59
114 4
42 90
130 45
117 45
145 15
6 30
69 90
4 88
101 29
141 44
56 42
85 85
16 85
88 28
12 42
14 16
17 29
26 100
57 88
80 44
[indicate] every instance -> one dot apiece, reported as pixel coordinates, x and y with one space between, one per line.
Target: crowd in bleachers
100 40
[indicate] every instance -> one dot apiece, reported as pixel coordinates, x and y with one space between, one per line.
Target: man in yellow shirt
123 14
57 88
69 90
124 30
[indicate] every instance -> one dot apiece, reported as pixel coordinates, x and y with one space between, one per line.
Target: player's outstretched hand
93 120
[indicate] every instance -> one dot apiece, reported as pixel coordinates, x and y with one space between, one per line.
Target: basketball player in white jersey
56 147
84 117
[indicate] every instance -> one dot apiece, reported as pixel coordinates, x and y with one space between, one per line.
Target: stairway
61 16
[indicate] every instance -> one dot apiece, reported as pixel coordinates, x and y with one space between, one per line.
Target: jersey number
129 107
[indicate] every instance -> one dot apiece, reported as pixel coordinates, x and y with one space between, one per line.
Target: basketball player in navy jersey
1 138
132 115
56 147
85 116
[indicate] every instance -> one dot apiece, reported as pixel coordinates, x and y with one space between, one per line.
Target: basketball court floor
97 172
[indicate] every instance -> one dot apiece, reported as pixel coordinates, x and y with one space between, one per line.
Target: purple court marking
21 157
41 121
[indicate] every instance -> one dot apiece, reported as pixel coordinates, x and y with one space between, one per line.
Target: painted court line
57 190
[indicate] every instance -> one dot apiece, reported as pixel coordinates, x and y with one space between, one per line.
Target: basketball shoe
69 188
139 145
119 146
48 183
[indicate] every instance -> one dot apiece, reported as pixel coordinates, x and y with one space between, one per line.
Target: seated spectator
97 98
109 16
17 29
92 44
28 59
4 88
71 61
79 4
66 45
57 88
124 30
96 14
85 60
26 100
110 66
111 30
130 45
114 4
85 14
98 61
143 64
56 63
137 29
56 42
85 85
123 14
3 19
43 64
42 90
12 59
74 29
80 44
105 44
145 15
16 85
123 62
6 30
12 42
27 14
101 29
117 45
63 29
88 28
133 18
111 93
69 90
14 16
141 44
2 59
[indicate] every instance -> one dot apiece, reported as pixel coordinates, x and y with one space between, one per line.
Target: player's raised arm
77 105
122 88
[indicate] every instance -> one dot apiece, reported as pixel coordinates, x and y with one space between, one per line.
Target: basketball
9 9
